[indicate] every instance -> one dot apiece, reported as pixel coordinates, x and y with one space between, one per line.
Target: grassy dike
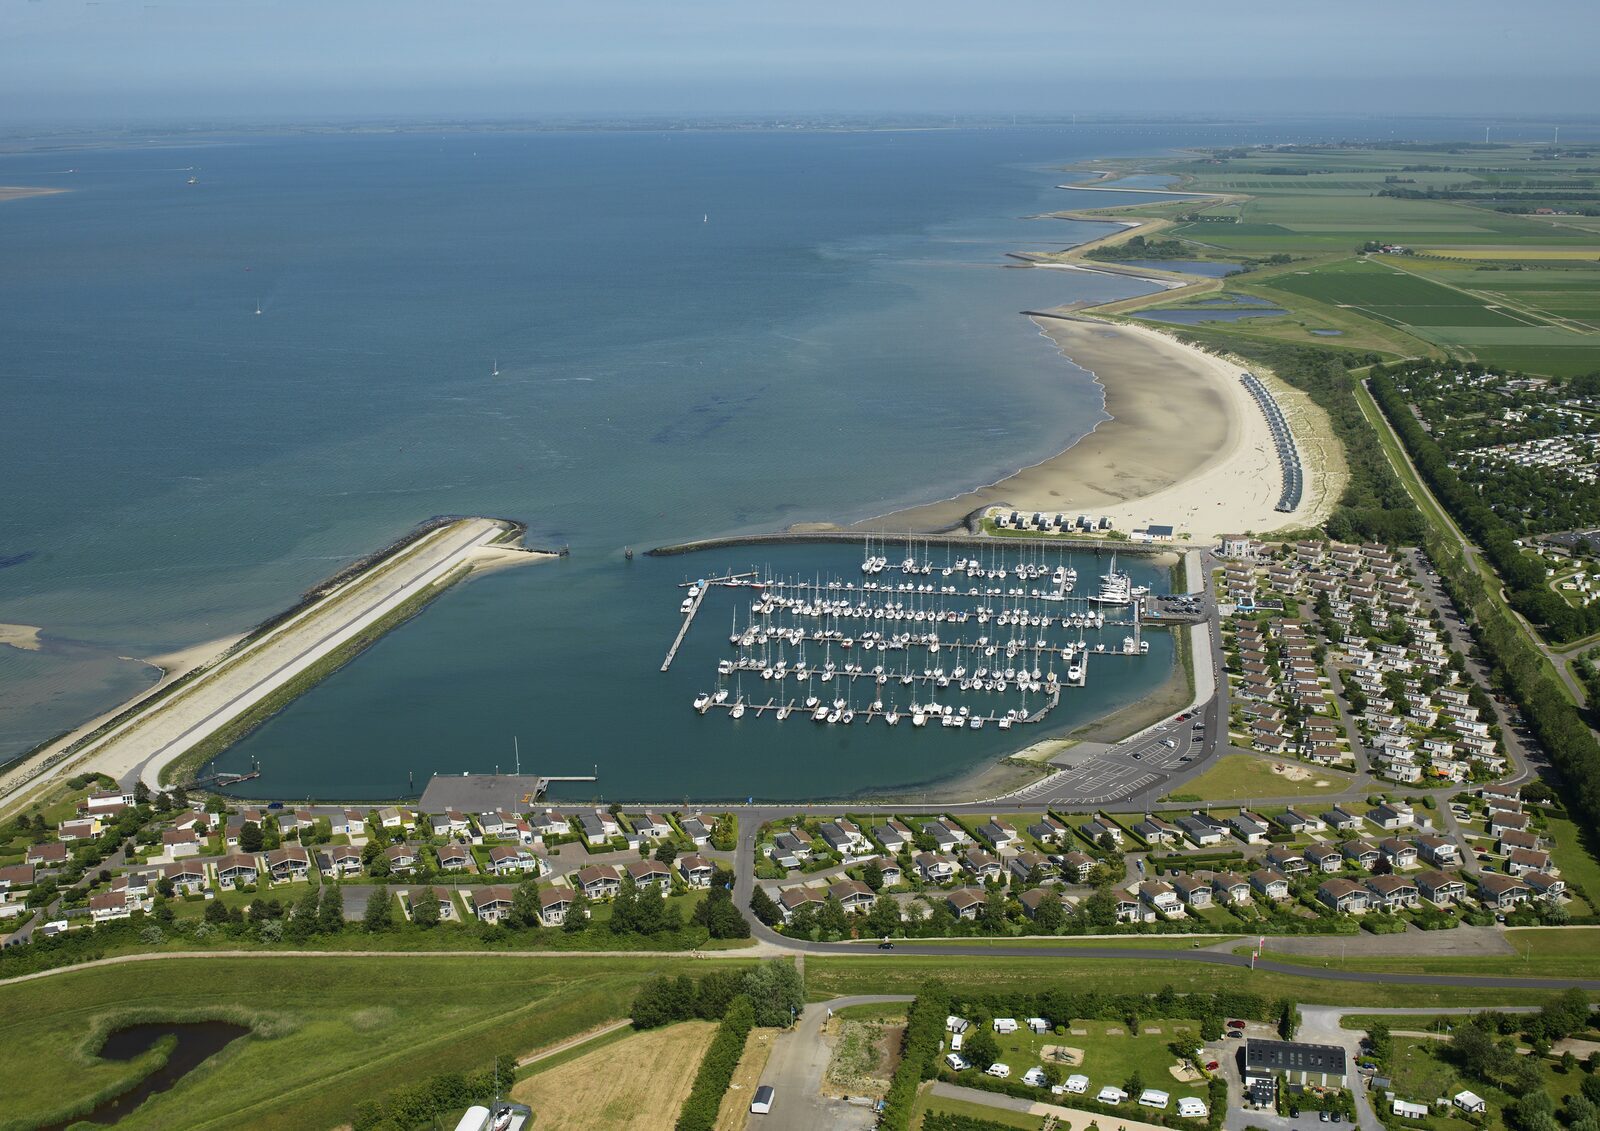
188 765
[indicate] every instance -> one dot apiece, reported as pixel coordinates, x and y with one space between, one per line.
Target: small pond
197 1042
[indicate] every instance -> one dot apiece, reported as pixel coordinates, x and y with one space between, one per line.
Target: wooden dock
688 619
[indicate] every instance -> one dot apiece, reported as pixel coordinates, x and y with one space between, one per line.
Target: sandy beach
1186 446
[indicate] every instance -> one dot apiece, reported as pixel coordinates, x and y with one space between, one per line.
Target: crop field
1395 296
636 1084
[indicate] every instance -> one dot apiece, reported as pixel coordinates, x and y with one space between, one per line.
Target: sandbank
23 636
20 192
1185 445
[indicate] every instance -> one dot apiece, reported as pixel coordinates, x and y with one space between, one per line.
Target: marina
990 638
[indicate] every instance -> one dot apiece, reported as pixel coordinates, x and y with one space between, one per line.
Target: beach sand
23 636
1186 446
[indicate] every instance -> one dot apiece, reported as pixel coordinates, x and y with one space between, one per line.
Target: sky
111 61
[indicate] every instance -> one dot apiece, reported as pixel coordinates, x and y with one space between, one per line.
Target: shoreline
1179 428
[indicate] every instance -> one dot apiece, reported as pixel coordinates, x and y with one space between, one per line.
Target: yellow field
1588 254
636 1084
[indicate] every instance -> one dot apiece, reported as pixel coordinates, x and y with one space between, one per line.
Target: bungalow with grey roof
1202 833
1271 884
1101 831
1247 828
1048 831
649 873
965 903
935 867
599 881
853 894
1363 854
1520 860
1230 888
288 863
1399 853
1023 863
1000 833
892 835
492 904
1161 897
339 860
1440 887
697 829
696 870
1393 892
185 876
791 900
1438 851
1345 896
1324 857
1544 885
237 868
1153 830
980 864
1287 860
402 857
554 903
1501 892
1341 820
1193 890
513 859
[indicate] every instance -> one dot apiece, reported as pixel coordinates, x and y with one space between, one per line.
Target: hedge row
716 1070
945 1121
919 1055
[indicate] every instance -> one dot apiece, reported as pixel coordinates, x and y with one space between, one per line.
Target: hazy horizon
280 60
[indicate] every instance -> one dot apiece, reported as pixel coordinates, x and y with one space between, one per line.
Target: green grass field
904 973
1238 775
330 1032
1111 1053
930 1103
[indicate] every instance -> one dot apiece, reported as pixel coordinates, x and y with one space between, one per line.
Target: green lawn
1238 776
1143 942
329 1031
1004 1117
904 973
1532 962
1573 856
1111 1053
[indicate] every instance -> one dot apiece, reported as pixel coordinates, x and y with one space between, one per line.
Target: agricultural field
635 1084
335 1033
1508 288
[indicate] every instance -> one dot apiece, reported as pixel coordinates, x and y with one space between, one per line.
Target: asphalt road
794 1071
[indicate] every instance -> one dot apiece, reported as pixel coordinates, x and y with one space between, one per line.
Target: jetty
272 664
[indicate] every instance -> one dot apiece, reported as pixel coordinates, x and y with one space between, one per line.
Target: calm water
696 334
566 657
195 1043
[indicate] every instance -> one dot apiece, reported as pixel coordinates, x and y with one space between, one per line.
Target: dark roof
1292 1056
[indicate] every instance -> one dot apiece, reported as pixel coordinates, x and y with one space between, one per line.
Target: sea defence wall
277 661
779 538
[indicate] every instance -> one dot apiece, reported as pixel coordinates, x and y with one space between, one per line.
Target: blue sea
696 334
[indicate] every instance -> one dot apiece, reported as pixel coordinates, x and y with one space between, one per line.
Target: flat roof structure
485 793
1291 1056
